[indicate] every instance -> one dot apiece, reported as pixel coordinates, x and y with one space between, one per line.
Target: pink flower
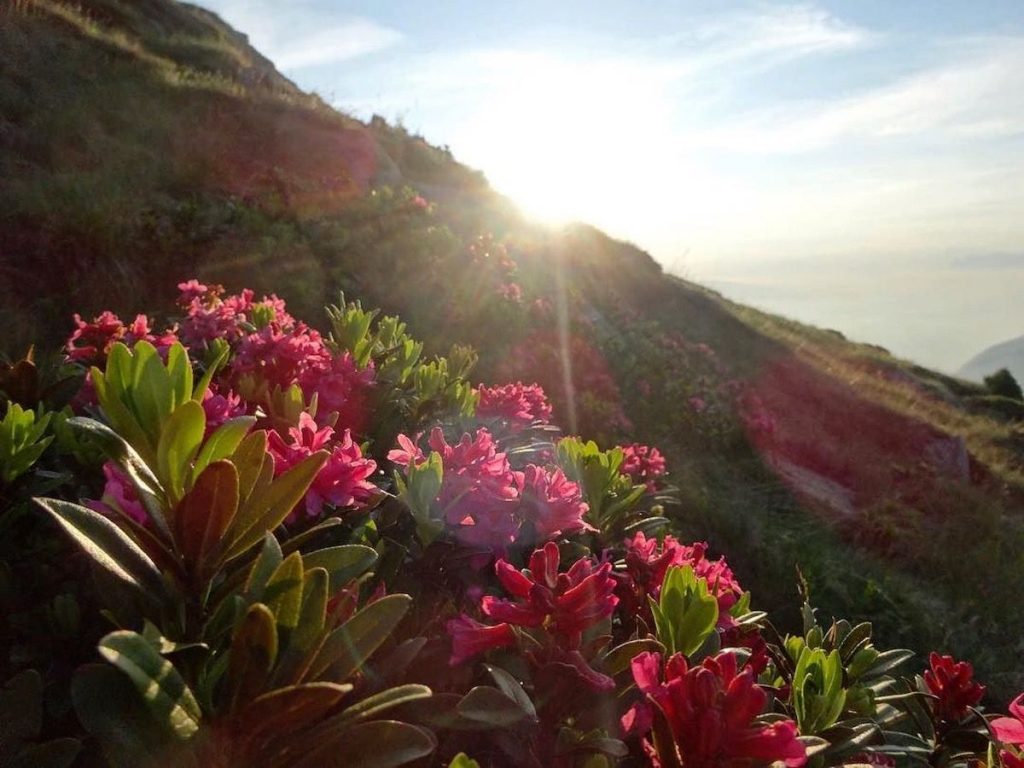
90 343
479 493
566 604
341 388
511 292
281 358
420 203
952 684
711 712
471 638
191 289
342 482
1010 730
551 502
519 404
698 404
119 495
407 453
642 464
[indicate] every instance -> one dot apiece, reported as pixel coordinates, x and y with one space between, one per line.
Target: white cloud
302 34
977 97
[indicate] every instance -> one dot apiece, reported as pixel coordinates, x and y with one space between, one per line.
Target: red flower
711 711
647 560
470 638
1010 730
951 683
566 604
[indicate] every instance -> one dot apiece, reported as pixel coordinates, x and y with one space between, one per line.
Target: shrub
1002 384
313 549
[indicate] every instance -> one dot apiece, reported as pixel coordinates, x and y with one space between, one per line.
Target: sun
565 141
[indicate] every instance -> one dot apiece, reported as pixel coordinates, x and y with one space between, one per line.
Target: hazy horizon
855 165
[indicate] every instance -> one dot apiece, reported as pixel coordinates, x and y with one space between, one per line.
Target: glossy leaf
166 695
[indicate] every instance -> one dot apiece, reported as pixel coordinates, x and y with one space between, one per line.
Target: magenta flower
341 388
711 712
642 464
518 404
119 495
553 503
342 482
221 408
471 638
647 560
281 358
952 684
479 493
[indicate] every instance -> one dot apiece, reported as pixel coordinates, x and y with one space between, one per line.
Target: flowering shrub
290 533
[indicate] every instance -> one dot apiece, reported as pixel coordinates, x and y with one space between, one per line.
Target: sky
857 165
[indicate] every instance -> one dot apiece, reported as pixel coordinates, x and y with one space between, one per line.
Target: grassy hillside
142 143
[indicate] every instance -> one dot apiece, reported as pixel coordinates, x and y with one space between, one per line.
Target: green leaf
283 594
462 760
287 709
343 563
252 655
264 514
485 704
107 545
351 644
168 697
617 660
111 709
178 446
147 486
211 369
223 443
513 689
374 705
377 744
179 369
249 458
269 559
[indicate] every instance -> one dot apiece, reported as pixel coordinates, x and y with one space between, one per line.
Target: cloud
998 261
977 97
337 43
304 34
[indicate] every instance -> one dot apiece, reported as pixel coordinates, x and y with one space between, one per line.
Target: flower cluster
643 464
485 502
711 711
344 481
952 684
647 560
520 405
560 606
91 341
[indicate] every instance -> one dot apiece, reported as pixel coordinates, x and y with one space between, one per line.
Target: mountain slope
1008 354
143 143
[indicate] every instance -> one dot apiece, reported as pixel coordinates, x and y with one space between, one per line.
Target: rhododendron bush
240 541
